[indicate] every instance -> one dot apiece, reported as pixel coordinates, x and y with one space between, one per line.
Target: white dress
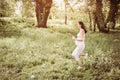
80 45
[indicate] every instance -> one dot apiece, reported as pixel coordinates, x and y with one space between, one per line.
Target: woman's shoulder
82 30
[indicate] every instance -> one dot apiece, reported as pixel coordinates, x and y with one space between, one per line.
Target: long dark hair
82 26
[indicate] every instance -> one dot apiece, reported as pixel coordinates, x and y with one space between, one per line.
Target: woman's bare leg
79 64
84 54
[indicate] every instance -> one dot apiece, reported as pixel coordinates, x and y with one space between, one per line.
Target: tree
89 3
99 16
42 12
66 6
113 12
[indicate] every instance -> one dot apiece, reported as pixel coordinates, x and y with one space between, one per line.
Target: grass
45 54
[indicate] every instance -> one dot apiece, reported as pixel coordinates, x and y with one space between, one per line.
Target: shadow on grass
7 32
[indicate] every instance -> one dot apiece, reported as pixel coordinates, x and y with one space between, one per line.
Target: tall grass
46 55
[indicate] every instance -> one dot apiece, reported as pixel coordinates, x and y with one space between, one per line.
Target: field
30 53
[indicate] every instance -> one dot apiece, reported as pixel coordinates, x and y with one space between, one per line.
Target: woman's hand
75 39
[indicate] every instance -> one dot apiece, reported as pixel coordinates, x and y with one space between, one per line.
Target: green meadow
30 53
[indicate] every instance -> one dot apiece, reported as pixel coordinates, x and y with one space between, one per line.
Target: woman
80 45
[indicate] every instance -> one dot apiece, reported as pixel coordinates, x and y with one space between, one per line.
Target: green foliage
6 8
54 12
8 26
28 8
46 53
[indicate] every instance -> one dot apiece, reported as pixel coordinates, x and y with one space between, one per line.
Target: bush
13 26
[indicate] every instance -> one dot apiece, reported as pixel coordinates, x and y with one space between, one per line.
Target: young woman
80 44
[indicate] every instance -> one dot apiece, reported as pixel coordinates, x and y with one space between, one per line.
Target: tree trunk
42 12
100 16
65 13
112 13
90 19
94 21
